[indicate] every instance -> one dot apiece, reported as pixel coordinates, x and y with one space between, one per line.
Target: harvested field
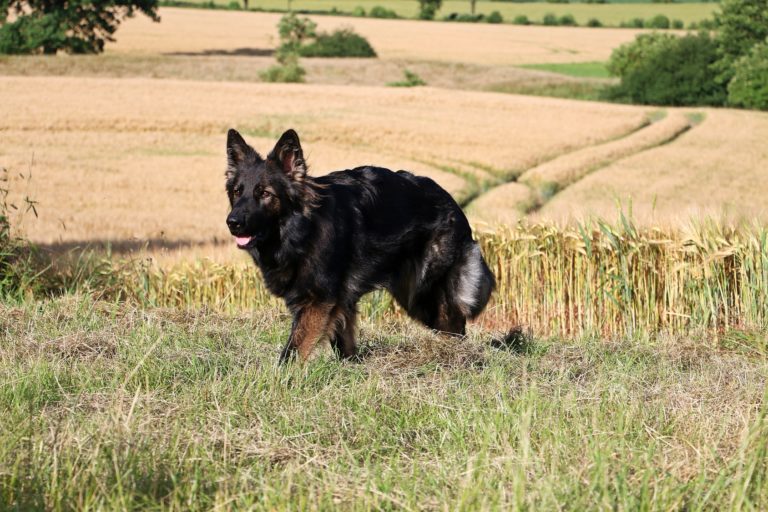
143 159
717 168
249 33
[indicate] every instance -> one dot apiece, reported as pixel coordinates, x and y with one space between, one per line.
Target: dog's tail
476 282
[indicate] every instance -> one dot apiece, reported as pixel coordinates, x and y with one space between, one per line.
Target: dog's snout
234 222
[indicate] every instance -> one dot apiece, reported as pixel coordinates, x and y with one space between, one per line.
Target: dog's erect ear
289 156
238 153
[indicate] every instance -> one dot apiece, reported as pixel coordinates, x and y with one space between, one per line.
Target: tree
749 86
428 8
472 6
742 25
74 26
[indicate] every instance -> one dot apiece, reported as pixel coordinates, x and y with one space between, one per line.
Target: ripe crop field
229 31
611 14
146 150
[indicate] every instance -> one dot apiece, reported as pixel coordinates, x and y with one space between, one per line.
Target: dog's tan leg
310 324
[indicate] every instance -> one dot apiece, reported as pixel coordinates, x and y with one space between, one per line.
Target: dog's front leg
310 324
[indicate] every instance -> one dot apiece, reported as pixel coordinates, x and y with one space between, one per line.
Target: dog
322 243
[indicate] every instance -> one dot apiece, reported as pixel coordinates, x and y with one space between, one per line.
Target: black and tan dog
322 243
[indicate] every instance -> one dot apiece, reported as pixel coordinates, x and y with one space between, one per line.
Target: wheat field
191 31
144 159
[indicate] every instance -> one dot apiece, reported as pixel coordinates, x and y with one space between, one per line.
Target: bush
678 24
358 12
660 70
411 79
634 23
293 32
639 50
342 42
549 19
659 21
495 17
594 22
378 11
290 71
749 85
521 19
567 20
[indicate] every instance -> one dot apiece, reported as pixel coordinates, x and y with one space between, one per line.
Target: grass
585 91
111 407
611 14
575 69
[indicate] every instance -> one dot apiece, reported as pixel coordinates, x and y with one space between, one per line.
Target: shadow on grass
237 52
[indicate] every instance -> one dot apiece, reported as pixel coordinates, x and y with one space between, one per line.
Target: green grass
110 407
611 14
576 69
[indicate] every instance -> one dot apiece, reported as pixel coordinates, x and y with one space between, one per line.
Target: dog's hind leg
343 337
310 324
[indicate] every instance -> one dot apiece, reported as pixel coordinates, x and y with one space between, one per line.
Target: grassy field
611 14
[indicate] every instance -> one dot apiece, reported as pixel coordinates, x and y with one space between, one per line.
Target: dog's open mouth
243 241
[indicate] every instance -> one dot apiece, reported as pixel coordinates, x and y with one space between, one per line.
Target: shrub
678 24
549 19
567 20
411 79
287 71
667 71
634 23
659 21
630 54
234 5
521 19
358 12
495 17
594 22
749 85
293 32
378 11
342 42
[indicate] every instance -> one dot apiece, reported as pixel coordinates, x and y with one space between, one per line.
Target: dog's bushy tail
476 282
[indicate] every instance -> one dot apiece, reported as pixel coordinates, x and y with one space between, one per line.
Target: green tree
742 25
428 8
749 86
75 26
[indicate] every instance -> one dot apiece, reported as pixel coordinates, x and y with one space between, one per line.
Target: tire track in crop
512 200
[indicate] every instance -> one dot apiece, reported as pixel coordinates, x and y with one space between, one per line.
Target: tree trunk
245 4
472 6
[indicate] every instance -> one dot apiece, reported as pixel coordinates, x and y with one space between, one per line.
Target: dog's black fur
322 243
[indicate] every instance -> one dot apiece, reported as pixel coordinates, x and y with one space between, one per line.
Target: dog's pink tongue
242 240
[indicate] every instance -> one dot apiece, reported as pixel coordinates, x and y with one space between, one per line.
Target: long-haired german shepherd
322 243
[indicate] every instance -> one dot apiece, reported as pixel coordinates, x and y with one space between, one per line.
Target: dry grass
505 204
240 68
193 30
109 407
717 168
123 159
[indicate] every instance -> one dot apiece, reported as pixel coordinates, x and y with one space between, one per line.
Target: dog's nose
234 223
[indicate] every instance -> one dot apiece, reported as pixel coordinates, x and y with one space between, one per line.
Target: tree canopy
74 26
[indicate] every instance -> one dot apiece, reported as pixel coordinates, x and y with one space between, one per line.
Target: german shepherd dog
322 243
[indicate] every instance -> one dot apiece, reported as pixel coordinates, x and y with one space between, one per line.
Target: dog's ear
289 157
238 153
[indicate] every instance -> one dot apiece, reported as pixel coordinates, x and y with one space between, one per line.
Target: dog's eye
265 194
238 191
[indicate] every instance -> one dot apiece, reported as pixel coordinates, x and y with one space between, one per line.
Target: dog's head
263 191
